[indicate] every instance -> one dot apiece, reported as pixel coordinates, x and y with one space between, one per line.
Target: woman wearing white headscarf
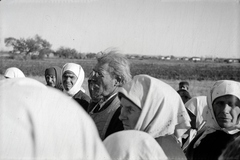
72 78
222 121
133 145
38 124
153 106
13 72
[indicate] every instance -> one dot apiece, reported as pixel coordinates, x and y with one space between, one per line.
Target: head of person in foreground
133 145
13 72
39 122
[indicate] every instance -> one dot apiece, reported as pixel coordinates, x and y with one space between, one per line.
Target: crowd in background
123 117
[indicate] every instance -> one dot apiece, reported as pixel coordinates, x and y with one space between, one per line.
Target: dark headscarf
56 71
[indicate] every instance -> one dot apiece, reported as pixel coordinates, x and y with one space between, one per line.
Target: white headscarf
133 145
13 72
162 110
38 122
220 88
197 106
79 72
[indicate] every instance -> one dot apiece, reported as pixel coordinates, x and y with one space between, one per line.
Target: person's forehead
101 67
68 73
128 103
227 98
50 75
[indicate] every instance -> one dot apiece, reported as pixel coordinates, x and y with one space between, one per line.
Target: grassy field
197 88
200 75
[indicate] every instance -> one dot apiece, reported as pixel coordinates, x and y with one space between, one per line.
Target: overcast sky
208 28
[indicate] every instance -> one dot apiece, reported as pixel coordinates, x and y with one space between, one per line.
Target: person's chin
126 127
226 124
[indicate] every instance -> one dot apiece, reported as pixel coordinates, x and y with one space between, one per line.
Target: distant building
231 60
195 59
209 59
185 58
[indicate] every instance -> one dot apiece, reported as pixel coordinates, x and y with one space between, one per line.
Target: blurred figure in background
184 94
183 85
42 123
133 145
222 121
110 73
152 106
53 77
72 78
13 72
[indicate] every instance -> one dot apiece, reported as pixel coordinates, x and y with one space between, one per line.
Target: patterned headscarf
13 72
162 110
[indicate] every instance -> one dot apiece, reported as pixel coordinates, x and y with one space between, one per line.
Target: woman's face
227 111
69 79
51 80
129 114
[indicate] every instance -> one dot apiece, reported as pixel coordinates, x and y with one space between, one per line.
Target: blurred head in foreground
13 72
133 145
43 123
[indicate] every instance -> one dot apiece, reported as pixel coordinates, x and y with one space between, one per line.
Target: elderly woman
53 77
222 121
153 106
72 77
133 145
13 72
42 123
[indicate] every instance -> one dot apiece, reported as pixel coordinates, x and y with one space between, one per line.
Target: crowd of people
122 118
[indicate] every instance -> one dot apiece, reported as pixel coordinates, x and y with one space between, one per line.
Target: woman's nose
122 115
226 108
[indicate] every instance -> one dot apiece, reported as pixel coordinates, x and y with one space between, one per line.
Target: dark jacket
82 99
210 147
115 124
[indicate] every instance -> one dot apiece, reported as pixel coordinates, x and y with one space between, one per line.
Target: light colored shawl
220 88
197 106
162 110
133 145
38 122
79 72
13 72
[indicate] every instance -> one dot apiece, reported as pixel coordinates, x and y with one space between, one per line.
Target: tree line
38 48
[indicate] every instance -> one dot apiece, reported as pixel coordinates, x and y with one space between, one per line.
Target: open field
200 75
197 88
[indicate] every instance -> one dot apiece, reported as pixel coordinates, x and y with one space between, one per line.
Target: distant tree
27 46
66 52
91 55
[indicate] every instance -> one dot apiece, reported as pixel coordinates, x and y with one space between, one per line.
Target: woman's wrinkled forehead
68 72
74 68
225 87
